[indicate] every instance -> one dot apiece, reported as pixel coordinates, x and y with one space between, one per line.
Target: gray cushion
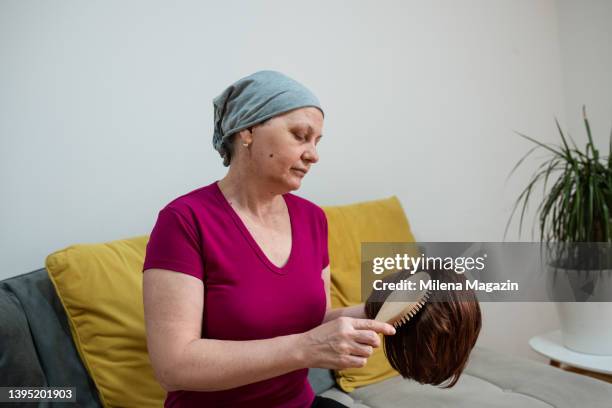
19 363
50 335
493 380
320 379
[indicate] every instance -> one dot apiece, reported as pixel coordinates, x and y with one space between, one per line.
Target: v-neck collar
249 237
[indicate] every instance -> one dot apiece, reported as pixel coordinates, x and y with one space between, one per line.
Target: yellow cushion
350 225
100 286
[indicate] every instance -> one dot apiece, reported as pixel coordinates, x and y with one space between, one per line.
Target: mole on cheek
271 155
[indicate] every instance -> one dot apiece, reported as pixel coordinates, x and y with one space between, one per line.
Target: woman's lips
302 172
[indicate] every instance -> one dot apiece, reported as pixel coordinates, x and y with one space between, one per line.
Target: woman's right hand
342 343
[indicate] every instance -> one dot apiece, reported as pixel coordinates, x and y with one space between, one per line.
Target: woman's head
268 124
433 346
280 148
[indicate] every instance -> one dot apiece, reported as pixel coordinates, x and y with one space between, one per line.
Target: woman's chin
295 182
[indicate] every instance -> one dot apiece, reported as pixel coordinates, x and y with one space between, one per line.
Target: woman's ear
245 136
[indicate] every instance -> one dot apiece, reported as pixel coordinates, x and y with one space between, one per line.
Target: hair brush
401 305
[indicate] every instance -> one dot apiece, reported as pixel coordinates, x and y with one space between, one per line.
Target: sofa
47 340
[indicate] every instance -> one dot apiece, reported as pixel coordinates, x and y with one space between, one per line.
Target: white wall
106 113
585 36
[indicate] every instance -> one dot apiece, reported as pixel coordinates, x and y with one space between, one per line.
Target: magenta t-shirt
247 297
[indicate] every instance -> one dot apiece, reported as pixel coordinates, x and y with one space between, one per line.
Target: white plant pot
586 327
586 322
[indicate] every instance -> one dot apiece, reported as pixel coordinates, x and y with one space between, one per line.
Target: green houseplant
574 221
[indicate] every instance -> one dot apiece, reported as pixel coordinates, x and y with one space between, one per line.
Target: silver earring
245 144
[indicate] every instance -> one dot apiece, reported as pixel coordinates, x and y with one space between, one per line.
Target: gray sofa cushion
320 379
49 334
490 380
19 363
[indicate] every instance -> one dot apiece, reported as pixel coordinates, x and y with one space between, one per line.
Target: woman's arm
182 360
357 311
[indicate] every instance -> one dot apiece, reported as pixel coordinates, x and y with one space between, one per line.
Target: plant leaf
557 152
520 161
566 149
588 129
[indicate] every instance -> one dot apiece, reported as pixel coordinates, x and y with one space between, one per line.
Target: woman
236 275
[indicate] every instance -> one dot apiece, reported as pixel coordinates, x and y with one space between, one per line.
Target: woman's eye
298 137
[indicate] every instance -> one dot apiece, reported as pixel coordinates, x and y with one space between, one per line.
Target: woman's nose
311 153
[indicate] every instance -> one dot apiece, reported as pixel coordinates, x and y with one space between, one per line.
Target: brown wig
433 346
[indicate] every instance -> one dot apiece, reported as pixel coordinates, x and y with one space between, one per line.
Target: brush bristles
412 312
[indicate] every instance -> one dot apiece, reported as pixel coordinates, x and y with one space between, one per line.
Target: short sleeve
323 240
175 244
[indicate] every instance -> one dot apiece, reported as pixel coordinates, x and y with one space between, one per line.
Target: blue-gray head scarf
252 100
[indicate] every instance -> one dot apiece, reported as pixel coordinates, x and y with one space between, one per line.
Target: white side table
551 346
